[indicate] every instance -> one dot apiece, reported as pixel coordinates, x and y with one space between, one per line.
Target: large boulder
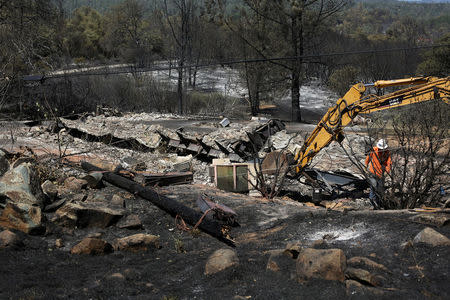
137 242
220 260
431 237
92 246
82 215
24 217
9 239
21 185
329 264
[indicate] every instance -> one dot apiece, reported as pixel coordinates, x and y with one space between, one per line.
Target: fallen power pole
170 206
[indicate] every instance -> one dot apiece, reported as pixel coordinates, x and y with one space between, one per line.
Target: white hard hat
382 144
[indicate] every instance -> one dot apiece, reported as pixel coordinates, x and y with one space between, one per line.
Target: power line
229 63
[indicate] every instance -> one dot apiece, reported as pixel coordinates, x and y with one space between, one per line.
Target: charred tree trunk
170 206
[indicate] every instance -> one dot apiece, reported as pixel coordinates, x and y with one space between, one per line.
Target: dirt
176 271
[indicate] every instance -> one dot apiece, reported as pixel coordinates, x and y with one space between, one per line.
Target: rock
74 184
116 276
326 264
82 215
118 201
92 246
21 185
137 242
431 219
94 180
4 164
359 260
431 237
9 239
130 222
23 217
362 276
59 243
50 189
220 260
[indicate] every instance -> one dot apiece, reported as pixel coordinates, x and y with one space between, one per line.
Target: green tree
436 61
129 35
84 32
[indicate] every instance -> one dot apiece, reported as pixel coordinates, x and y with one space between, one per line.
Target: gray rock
21 185
220 260
94 180
431 237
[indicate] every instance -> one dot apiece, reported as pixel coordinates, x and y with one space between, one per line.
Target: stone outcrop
329 264
24 217
220 260
92 246
137 243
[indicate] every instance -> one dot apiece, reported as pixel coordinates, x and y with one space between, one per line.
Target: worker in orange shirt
378 162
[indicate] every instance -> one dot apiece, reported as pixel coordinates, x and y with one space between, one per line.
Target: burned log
170 206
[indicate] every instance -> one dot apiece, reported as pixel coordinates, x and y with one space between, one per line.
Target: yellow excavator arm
330 127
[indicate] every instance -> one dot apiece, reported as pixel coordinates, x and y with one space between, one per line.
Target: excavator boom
330 127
